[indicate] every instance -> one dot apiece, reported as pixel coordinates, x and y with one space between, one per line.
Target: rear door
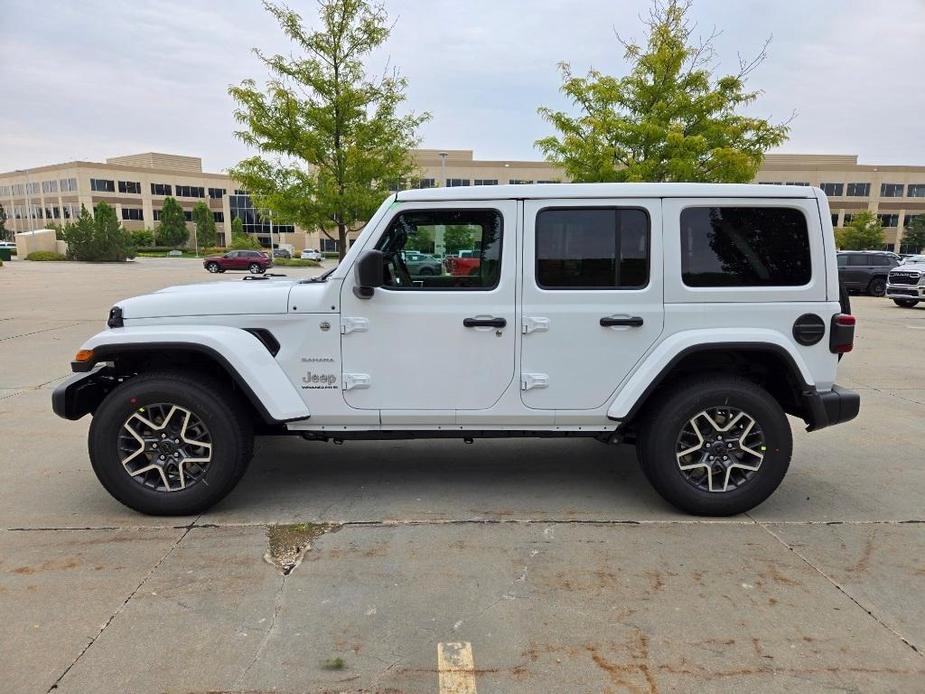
592 297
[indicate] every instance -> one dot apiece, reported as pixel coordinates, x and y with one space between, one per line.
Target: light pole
443 156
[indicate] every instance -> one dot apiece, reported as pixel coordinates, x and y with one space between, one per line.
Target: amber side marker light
84 355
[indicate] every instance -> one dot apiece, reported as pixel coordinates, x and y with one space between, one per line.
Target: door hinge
534 324
350 324
352 381
531 381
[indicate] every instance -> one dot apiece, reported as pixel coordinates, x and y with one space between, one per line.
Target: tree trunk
342 240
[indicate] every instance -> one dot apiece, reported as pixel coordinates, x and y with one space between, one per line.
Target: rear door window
744 247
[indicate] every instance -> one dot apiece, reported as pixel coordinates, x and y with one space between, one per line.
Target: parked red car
463 265
255 261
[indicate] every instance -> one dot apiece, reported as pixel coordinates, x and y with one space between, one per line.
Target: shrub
45 255
244 242
142 238
295 262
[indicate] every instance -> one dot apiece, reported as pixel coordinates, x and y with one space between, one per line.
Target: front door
592 297
438 340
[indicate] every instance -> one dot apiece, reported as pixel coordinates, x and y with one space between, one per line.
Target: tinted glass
858 260
606 248
882 260
462 249
842 261
744 247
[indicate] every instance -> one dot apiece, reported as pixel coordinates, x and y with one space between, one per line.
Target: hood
211 299
905 267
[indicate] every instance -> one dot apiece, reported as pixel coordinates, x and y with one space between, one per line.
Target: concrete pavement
553 560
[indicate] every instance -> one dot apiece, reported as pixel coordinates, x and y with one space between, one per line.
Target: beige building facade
136 186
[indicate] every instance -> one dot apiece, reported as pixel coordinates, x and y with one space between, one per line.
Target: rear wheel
877 287
715 446
905 303
170 443
213 267
256 269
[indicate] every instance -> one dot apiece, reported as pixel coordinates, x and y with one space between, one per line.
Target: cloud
96 79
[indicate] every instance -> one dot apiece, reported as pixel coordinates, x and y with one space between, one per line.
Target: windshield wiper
320 278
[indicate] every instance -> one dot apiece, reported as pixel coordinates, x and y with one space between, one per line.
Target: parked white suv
311 254
687 319
905 284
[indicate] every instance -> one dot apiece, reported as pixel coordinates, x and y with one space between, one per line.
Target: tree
914 235
329 138
669 119
98 236
172 230
79 235
458 238
237 227
864 232
4 232
421 240
205 225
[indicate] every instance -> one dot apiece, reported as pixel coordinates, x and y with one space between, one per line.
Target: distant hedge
45 255
296 262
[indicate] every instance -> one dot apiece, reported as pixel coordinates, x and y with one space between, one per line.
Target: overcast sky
93 79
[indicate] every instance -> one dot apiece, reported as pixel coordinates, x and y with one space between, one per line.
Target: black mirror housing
368 273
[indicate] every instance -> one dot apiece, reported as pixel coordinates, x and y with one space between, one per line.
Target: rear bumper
82 393
823 409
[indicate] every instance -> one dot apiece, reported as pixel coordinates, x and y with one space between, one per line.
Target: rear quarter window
744 247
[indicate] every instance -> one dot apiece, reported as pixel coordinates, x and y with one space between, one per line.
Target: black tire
670 413
256 269
877 286
906 303
213 268
427 272
222 413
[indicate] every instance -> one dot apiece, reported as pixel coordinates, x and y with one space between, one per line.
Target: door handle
484 322
631 321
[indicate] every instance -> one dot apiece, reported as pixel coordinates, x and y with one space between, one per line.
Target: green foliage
422 240
97 237
329 138
237 227
142 238
669 119
172 230
458 238
914 235
45 255
864 232
296 262
244 242
205 225
5 234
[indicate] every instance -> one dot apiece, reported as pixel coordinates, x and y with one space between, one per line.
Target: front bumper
823 409
82 393
915 292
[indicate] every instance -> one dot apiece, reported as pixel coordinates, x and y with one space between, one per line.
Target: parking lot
551 564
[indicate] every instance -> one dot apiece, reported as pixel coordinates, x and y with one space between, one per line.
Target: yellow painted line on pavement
456 668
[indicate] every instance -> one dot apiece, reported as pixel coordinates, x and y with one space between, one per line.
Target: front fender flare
239 352
658 363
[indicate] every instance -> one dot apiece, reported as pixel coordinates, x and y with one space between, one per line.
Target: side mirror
368 273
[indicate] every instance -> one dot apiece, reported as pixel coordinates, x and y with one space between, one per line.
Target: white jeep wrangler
688 319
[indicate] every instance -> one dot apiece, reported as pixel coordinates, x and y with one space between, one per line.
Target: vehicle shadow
522 479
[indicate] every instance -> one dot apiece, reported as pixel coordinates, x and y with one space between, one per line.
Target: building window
188 215
218 216
916 190
427 183
519 182
485 182
68 185
891 190
834 219
161 189
833 189
770 183
190 191
456 182
847 218
888 219
538 181
910 220
4 191
32 188
216 193
102 185
133 213
157 215
242 207
797 183
858 190
240 192
592 248
130 187
744 247
19 189
49 186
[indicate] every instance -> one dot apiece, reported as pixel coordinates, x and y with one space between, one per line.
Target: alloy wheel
165 447
720 449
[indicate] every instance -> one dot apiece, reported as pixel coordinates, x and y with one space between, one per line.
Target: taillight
841 339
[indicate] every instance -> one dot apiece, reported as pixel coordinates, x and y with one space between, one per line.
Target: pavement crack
838 586
121 607
277 609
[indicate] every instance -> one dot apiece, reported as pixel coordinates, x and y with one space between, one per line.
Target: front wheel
256 269
877 287
906 303
213 268
715 446
170 443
